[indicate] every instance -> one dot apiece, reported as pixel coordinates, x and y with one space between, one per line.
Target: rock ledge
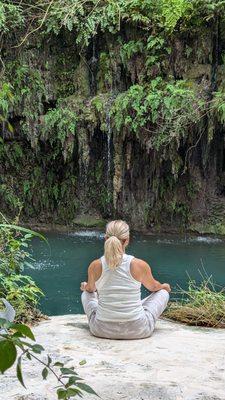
176 363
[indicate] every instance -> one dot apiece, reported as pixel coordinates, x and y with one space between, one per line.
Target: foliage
11 16
13 256
128 50
104 77
218 104
9 197
201 304
87 18
6 101
59 127
20 290
173 11
29 91
157 51
13 338
164 111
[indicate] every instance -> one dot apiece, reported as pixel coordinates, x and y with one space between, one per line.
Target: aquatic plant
202 304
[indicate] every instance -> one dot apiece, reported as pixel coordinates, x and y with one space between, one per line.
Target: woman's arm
141 271
94 273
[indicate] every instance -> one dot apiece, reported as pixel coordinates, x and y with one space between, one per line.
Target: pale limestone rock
177 363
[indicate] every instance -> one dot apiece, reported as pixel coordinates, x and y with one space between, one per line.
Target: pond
60 269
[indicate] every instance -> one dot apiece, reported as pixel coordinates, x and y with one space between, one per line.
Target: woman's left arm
94 274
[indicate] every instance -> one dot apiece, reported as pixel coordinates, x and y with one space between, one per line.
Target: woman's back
119 293
117 310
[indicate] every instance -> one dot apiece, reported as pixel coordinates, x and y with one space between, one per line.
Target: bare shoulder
95 268
137 263
138 267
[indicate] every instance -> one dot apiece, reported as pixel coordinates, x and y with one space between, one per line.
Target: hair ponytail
113 252
116 233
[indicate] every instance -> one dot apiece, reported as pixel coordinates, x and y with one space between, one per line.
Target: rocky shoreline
100 226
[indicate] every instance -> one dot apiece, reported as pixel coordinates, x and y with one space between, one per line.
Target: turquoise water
60 270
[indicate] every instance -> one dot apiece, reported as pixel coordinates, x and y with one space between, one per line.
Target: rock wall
66 157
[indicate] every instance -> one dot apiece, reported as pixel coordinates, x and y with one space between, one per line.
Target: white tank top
119 294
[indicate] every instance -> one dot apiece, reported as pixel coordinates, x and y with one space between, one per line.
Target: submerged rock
176 363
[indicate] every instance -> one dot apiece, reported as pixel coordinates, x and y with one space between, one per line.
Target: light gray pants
153 306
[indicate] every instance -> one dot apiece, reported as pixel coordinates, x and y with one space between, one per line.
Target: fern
172 11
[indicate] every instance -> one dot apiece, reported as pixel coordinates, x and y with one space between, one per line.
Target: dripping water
108 134
109 148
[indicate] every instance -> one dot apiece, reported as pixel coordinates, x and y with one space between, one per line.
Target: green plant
23 293
157 51
165 111
19 289
6 100
104 76
218 104
172 11
10 198
201 304
13 339
59 128
11 16
128 50
13 244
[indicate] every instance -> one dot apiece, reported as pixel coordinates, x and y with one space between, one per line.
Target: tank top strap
128 259
104 265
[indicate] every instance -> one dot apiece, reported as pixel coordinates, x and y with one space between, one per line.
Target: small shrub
20 290
201 305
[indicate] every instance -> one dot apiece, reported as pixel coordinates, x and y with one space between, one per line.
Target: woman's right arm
141 271
94 273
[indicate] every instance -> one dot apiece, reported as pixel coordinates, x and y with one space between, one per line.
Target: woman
116 310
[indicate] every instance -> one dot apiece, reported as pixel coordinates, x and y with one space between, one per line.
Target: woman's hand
167 287
83 286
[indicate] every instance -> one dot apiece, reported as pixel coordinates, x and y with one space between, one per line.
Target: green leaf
24 329
7 354
25 230
86 388
61 393
58 364
72 392
19 372
49 360
73 380
67 371
82 362
10 127
37 348
44 373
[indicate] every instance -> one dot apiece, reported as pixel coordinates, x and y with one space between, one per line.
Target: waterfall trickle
108 133
109 153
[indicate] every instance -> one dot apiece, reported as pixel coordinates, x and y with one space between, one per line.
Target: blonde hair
116 232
